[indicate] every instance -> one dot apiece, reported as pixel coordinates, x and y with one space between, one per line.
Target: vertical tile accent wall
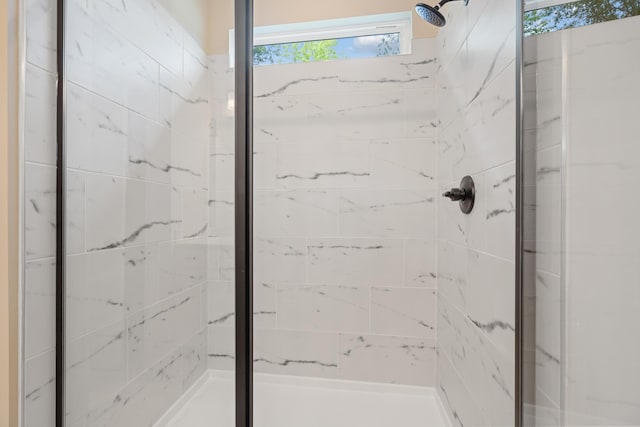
345 219
137 138
476 273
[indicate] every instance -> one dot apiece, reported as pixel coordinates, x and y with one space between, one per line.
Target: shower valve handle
456 194
465 195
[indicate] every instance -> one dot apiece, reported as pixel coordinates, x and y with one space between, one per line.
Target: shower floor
283 401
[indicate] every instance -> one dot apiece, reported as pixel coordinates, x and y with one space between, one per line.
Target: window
360 37
544 16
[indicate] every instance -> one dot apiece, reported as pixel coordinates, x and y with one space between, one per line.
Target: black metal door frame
244 211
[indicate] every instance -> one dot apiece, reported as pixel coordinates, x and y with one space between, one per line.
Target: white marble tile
222 213
75 212
453 273
328 165
265 305
403 312
421 112
221 347
95 291
108 64
486 372
280 260
96 368
189 121
194 359
489 298
344 115
420 257
182 264
39 306
140 277
296 213
388 213
147 25
323 308
40 115
221 304
194 217
404 164
105 213
456 398
143 400
548 335
501 211
280 118
491 45
39 391
366 358
222 167
41 33
149 154
159 329
97 133
40 211
265 166
305 353
361 262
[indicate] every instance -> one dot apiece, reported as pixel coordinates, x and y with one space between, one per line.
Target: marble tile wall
582 138
137 124
345 218
476 270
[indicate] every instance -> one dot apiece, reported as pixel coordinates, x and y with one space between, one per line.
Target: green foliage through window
578 14
325 50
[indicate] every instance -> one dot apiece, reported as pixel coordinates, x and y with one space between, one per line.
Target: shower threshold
286 401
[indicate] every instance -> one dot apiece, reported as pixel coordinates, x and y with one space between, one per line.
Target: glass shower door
582 61
144 240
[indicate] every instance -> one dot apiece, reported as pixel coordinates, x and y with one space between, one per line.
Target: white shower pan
285 401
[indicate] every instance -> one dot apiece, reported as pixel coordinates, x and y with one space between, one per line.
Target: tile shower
363 273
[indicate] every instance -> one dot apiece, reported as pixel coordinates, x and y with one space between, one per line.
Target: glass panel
345 236
582 296
150 213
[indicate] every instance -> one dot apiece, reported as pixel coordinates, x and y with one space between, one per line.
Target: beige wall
215 32
274 12
8 220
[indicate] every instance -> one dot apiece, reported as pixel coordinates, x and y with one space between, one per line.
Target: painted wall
275 12
476 272
137 138
9 185
344 217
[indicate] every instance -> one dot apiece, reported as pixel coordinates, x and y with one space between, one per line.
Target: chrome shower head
432 14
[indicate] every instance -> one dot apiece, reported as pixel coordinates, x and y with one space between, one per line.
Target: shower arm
443 2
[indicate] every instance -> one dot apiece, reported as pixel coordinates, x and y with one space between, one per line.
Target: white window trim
371 25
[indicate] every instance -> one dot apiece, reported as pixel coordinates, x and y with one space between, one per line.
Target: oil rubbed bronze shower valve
465 195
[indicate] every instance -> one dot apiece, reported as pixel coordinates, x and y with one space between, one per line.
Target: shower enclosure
233 213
